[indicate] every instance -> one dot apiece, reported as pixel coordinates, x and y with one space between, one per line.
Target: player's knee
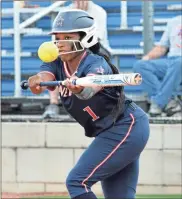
73 185
139 66
73 180
178 67
70 181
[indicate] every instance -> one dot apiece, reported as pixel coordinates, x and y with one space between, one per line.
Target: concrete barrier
36 157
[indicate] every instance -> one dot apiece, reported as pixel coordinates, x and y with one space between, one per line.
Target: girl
120 127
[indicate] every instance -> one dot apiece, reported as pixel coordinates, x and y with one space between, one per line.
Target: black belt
127 104
132 105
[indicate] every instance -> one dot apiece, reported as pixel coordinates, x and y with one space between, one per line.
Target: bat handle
51 83
74 82
24 84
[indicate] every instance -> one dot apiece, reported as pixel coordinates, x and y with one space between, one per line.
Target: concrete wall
38 156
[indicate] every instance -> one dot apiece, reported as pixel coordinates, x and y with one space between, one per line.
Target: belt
132 105
128 104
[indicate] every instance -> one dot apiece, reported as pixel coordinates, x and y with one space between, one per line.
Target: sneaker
174 107
155 110
52 111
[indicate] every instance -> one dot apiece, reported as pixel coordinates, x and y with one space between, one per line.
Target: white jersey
172 37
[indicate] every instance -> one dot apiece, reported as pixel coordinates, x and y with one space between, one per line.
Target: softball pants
113 159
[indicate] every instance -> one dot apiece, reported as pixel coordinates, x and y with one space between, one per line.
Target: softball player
120 127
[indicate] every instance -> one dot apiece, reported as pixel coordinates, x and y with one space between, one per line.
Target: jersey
94 114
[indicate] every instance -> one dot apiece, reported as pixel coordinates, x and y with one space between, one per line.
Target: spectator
98 13
25 16
100 16
162 76
52 110
25 4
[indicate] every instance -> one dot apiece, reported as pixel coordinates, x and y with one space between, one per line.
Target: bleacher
128 41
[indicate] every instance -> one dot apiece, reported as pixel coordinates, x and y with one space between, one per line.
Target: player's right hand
34 82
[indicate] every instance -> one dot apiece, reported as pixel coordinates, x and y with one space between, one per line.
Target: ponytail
119 108
96 49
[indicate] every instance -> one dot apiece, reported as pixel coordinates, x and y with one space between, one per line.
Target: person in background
100 16
25 16
162 76
26 4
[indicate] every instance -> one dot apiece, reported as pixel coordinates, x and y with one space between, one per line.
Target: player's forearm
88 92
157 52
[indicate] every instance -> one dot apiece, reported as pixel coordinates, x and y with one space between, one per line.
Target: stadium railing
117 54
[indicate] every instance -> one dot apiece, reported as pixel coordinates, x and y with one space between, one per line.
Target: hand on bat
73 88
34 82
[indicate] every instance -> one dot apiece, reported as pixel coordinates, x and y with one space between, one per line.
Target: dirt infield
64 195
6 195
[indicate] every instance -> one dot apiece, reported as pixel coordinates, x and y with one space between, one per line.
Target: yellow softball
48 52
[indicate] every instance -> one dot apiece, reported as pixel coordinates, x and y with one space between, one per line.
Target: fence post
124 23
148 32
17 50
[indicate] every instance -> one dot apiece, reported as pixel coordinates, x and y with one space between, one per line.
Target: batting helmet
76 20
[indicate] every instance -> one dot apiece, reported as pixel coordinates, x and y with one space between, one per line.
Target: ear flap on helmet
90 38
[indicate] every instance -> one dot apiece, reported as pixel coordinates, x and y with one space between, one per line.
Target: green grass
137 197
169 196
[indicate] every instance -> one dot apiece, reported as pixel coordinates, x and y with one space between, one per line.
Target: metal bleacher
125 44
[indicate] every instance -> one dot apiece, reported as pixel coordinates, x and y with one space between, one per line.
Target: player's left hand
73 88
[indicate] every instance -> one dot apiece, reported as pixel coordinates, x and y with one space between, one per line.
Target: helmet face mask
76 21
69 46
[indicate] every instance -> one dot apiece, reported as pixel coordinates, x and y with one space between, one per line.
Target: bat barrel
137 79
125 79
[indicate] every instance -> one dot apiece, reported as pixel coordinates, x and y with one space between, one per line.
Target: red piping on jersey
66 69
112 152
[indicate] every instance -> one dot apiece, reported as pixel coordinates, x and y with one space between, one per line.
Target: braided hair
119 108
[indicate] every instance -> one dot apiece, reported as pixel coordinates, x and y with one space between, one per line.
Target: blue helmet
75 20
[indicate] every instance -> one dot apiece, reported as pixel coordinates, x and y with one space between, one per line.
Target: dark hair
96 49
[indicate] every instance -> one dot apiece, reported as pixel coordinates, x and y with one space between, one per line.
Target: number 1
91 113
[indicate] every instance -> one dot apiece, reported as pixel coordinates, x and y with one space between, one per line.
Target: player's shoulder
58 61
95 59
95 64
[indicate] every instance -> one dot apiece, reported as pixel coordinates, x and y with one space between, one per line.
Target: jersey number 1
91 113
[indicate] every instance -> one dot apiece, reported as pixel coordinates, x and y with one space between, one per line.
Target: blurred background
39 151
